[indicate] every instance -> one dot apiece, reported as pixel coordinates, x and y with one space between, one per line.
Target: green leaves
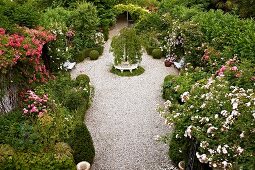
127 47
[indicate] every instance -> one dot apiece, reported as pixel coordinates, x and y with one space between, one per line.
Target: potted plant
126 47
83 165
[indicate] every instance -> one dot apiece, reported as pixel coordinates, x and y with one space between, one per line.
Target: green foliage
26 15
178 148
168 6
74 99
174 86
84 22
43 161
86 51
126 47
183 13
82 144
68 92
228 33
150 22
157 53
127 73
82 79
6 156
134 10
245 8
12 13
44 4
94 54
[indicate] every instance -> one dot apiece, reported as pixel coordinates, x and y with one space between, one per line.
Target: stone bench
129 67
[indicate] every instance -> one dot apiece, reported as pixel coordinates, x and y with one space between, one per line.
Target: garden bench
129 67
69 65
179 64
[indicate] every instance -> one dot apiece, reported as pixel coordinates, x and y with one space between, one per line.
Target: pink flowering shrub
25 48
35 105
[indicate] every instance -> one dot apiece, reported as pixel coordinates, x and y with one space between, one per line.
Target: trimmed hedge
86 51
94 55
157 53
81 79
82 144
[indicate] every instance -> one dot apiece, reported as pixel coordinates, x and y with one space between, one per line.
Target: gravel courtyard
122 119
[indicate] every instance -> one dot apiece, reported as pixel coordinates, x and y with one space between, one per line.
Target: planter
181 165
168 63
83 166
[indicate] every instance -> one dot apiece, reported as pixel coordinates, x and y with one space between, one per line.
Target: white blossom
224 113
218 149
239 150
216 116
185 96
188 132
204 144
235 105
225 164
248 104
242 135
211 129
224 150
202 158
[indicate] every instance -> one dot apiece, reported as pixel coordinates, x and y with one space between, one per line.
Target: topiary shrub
80 57
93 55
157 53
83 78
82 144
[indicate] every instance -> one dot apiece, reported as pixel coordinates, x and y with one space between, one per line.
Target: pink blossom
40 114
34 109
223 68
2 31
234 68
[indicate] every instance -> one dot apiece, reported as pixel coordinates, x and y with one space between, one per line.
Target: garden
209 105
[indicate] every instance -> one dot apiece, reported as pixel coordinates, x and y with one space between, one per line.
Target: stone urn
181 165
83 165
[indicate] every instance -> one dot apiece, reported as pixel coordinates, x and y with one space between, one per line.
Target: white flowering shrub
220 117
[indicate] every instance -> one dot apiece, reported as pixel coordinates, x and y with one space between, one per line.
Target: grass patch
127 73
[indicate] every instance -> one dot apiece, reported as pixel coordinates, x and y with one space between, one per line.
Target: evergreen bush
82 144
93 55
157 53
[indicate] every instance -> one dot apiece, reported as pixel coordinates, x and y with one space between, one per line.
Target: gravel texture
122 119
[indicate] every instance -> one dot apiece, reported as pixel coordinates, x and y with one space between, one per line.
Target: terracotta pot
83 165
168 63
181 165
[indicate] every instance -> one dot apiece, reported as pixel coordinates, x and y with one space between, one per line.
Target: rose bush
220 116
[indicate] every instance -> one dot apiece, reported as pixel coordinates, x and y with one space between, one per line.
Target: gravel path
122 119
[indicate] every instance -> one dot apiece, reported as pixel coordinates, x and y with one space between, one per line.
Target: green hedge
228 33
82 144
93 55
85 53
157 53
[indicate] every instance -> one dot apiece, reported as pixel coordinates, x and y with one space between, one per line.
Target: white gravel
122 119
